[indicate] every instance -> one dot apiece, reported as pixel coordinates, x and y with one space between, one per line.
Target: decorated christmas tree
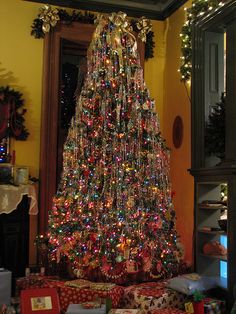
113 215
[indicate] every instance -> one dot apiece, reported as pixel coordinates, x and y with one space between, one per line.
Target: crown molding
134 9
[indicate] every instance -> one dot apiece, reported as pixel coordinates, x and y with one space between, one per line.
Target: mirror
65 49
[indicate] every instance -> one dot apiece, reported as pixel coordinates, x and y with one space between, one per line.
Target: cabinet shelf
220 232
217 257
221 207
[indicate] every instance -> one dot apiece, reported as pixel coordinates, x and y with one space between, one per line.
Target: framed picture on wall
39 301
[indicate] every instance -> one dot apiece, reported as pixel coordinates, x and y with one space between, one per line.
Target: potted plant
198 304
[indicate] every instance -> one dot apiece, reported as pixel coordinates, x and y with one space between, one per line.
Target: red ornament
159 266
86 173
91 159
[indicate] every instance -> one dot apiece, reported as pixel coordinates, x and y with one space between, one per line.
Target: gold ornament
130 202
58 201
49 17
168 215
144 26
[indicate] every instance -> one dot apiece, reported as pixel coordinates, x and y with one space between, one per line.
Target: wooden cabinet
209 184
214 73
14 239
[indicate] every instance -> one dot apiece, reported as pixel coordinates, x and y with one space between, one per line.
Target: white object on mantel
11 196
5 286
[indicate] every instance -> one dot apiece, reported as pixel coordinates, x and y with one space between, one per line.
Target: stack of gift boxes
213 306
80 296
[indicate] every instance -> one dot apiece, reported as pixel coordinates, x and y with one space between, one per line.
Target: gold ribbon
144 26
49 17
120 20
121 25
99 18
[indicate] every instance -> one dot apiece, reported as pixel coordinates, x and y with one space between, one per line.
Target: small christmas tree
215 131
113 215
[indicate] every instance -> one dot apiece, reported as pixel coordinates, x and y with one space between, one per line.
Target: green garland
88 18
198 8
12 114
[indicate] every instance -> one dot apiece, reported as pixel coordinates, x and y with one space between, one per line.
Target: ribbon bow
120 20
49 17
144 26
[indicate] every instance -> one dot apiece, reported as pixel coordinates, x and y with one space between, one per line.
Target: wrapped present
5 286
124 311
214 306
82 309
29 282
167 311
53 283
152 296
68 295
32 281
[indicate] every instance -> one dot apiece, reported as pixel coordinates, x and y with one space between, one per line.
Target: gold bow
49 17
144 26
120 20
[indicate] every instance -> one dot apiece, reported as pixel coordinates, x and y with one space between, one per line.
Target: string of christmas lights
197 10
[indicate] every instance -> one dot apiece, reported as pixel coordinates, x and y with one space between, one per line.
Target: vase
198 307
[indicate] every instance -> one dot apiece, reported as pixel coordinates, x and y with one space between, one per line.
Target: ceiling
153 9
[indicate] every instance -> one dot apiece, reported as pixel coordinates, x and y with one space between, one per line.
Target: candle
13 157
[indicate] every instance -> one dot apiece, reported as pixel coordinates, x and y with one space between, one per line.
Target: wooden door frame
49 118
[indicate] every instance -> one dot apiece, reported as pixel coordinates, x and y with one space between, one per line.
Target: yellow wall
21 61
163 80
176 102
21 68
154 68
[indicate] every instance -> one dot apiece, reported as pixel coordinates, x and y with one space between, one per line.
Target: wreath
12 114
198 8
48 17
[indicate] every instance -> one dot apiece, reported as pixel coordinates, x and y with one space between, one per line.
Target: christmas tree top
113 213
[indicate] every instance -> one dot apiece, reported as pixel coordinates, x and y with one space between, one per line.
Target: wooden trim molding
154 11
49 129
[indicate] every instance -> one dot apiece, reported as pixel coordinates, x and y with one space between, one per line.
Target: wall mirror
65 49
